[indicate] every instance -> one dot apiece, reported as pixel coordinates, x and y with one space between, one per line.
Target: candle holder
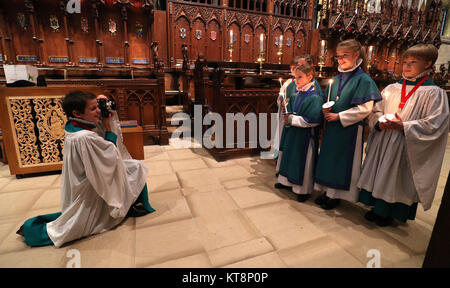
280 54
261 59
321 64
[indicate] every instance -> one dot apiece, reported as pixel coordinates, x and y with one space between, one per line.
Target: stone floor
211 214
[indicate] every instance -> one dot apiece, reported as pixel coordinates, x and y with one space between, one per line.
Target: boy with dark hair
100 183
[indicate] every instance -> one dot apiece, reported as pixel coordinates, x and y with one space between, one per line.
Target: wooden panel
181 37
288 51
300 36
236 45
55 43
84 45
247 47
160 34
139 46
113 44
133 140
273 58
22 39
214 46
198 38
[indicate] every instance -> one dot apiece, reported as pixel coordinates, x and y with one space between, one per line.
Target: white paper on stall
15 73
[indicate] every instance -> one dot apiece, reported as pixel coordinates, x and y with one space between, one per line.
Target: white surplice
404 166
98 185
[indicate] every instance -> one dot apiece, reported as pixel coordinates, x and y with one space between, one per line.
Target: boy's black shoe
20 231
371 216
303 197
383 222
281 186
330 204
321 199
137 211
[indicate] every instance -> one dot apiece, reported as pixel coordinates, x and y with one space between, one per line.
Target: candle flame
330 81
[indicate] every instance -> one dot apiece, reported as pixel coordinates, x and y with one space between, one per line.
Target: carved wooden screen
33 127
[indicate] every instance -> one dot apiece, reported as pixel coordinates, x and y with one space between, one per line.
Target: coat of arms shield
54 23
139 29
84 25
198 34
22 21
112 27
182 33
213 35
247 38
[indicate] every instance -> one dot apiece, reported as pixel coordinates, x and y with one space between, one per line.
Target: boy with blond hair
406 146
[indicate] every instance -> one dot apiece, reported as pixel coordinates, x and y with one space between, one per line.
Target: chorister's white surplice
404 166
99 183
280 122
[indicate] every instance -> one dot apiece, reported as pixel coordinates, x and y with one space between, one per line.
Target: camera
105 106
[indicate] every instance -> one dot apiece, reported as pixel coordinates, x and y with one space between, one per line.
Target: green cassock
335 162
295 140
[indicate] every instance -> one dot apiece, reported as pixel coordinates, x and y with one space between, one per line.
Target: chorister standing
407 143
339 161
299 140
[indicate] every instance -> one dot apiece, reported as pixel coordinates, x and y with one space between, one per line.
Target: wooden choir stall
139 52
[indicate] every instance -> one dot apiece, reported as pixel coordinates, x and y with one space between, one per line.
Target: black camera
105 106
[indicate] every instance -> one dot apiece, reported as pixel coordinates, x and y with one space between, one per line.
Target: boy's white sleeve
355 114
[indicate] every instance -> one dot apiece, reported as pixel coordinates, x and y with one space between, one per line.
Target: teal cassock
295 140
335 161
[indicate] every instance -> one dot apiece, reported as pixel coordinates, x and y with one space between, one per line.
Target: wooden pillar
98 31
270 6
67 34
5 38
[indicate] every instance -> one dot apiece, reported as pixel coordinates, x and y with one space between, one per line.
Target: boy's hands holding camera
105 121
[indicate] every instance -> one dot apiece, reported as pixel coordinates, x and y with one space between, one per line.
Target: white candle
231 37
370 53
281 41
281 84
261 42
329 89
322 48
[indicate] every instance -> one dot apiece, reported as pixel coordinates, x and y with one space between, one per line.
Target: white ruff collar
307 86
351 69
424 73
